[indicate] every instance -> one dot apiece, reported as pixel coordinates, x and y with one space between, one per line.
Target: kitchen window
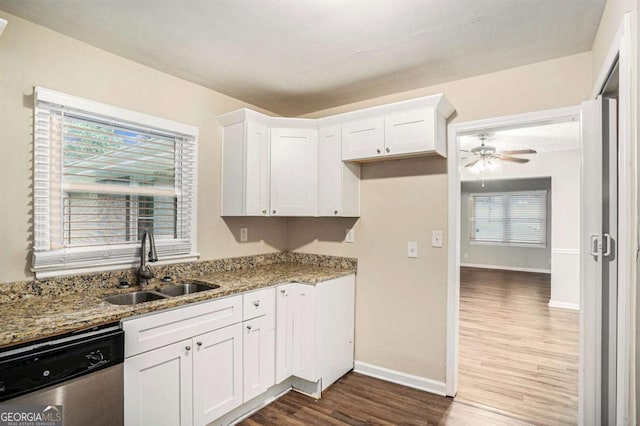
102 175
508 218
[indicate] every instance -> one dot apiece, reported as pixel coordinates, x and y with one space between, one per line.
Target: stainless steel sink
186 288
133 298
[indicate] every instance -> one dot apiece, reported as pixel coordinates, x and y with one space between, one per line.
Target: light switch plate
350 236
436 239
412 249
244 235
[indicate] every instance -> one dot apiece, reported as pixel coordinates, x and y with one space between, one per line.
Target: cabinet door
285 302
217 373
363 139
257 170
304 333
330 172
259 356
294 172
410 132
158 386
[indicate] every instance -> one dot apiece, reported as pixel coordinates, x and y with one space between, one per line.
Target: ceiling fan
485 156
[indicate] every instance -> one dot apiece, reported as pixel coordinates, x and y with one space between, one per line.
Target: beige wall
401 302
31 55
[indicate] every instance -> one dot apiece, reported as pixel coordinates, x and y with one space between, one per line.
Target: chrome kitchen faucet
144 271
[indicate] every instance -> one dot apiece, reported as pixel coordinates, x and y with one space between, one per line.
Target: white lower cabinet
226 352
259 356
315 330
217 373
158 386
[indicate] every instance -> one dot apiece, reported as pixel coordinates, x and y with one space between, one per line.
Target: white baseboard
564 305
393 376
506 268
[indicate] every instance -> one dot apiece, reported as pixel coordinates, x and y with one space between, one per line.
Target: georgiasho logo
30 415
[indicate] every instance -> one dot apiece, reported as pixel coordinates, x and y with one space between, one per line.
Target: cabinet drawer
258 303
156 330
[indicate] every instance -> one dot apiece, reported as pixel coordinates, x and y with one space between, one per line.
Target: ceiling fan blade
514 159
472 163
520 151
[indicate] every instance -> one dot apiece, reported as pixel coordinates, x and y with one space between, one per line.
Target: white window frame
48 262
503 243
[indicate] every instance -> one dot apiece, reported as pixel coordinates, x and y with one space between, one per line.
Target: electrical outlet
436 239
244 235
412 249
350 236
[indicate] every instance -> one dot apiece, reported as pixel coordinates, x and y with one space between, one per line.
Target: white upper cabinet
257 170
245 164
294 172
363 139
415 131
338 182
410 128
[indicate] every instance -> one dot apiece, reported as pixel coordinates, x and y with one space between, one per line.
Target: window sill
75 269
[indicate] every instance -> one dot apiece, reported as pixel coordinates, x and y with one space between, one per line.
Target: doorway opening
520 269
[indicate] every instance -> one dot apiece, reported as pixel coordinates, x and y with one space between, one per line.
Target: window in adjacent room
102 176
512 218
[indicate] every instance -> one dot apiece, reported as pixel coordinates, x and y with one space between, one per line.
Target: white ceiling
543 138
299 56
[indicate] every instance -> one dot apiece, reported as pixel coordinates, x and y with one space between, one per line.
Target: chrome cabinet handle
199 343
378 151
188 348
607 239
249 327
593 245
256 303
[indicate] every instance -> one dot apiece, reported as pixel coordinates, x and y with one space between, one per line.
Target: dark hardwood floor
517 355
360 400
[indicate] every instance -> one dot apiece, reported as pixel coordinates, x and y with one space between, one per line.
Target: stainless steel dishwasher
82 371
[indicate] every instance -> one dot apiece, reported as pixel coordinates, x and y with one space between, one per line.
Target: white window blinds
509 218
102 176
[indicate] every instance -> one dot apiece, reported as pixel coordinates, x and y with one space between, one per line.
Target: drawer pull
249 327
188 348
256 303
199 343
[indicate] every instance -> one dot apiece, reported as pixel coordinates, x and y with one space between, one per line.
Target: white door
410 131
304 333
294 172
330 172
217 373
598 290
157 386
363 139
257 170
259 356
285 302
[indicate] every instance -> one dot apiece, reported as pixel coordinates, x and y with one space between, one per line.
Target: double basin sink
163 292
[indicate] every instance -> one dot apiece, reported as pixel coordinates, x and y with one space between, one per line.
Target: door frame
623 48
454 190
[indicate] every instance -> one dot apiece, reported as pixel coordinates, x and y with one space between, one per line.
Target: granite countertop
32 317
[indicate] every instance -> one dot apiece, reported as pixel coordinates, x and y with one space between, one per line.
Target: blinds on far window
509 218
101 181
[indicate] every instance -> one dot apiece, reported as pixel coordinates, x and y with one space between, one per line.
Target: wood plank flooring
517 355
360 400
